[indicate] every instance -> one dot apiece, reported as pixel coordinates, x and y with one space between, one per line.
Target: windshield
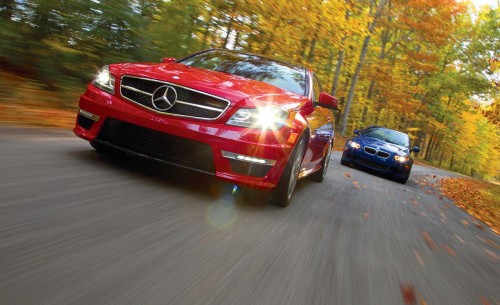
388 135
282 75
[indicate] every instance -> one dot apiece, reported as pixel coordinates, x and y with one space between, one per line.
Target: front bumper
375 163
200 145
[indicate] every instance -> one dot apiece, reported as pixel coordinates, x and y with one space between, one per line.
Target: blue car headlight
401 159
354 144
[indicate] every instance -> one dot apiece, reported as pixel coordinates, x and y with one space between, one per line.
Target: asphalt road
78 227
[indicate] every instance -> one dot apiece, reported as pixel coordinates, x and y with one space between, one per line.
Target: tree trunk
361 60
337 72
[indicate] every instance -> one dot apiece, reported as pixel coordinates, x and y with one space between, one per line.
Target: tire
283 193
319 176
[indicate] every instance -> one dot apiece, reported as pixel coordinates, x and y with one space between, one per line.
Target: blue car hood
390 147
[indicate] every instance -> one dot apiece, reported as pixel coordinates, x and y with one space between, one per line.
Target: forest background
430 68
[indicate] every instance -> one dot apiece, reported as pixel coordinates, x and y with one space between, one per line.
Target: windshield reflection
279 74
388 135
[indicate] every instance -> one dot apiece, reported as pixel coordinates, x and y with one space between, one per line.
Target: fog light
245 158
89 115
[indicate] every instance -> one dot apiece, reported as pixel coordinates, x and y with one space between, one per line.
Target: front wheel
284 191
320 175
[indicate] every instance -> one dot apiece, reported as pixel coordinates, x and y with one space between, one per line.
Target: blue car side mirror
356 132
415 149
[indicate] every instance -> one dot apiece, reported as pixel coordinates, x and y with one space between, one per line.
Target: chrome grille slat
190 102
200 106
137 90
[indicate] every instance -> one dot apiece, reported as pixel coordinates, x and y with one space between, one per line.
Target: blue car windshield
388 135
280 74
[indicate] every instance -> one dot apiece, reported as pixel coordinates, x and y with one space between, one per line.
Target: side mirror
415 149
168 60
328 101
356 132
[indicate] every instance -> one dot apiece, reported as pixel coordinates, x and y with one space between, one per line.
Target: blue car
381 149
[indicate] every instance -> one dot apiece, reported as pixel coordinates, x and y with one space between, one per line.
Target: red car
244 118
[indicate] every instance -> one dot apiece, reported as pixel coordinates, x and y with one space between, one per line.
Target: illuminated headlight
401 159
354 144
104 80
269 117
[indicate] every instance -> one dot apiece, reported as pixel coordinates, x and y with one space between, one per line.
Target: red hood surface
242 92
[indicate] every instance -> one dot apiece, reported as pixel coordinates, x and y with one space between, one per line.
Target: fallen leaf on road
480 226
461 240
355 184
449 251
365 215
490 253
423 213
414 202
430 243
484 300
465 222
419 259
492 243
408 294
347 175
363 186
422 302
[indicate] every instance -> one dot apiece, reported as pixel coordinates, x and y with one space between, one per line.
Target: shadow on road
380 175
169 176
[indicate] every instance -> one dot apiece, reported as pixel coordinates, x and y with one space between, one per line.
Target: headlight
401 159
104 80
269 117
354 144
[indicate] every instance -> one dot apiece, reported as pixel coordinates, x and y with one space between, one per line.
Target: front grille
248 168
383 154
371 151
189 102
159 145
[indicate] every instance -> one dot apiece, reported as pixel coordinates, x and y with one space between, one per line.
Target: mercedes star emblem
164 98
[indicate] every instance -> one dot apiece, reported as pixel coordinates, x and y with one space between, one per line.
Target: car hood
240 91
381 144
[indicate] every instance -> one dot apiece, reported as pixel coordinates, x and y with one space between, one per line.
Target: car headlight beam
104 80
401 159
268 117
354 144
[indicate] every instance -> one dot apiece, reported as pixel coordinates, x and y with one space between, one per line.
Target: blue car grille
373 151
